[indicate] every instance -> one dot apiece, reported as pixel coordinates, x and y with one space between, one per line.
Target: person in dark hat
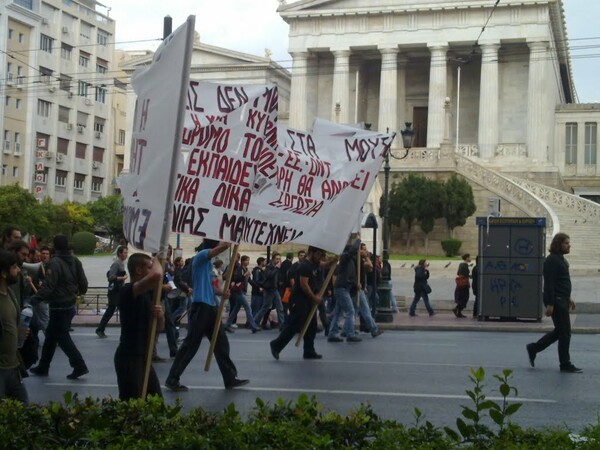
201 321
65 280
305 294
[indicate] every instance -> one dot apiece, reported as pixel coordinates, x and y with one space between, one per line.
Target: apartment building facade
59 93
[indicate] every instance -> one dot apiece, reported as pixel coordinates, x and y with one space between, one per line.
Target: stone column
341 87
488 100
298 94
388 90
536 105
401 102
437 95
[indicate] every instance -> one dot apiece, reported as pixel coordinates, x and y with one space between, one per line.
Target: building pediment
328 7
207 55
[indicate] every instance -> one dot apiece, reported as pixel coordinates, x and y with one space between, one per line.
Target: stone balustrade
587 209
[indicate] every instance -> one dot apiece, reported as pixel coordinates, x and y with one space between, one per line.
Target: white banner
161 89
239 182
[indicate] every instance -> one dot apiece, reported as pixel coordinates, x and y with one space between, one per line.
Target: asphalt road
395 373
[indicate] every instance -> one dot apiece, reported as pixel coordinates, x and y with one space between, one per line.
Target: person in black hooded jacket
65 279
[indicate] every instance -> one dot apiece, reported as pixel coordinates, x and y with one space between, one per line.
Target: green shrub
451 246
84 243
304 424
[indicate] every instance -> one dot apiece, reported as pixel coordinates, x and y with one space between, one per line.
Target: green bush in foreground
303 424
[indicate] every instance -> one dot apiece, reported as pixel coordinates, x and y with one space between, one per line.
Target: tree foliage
44 219
404 201
108 215
459 202
19 207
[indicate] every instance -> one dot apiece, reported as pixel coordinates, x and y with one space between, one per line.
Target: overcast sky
251 26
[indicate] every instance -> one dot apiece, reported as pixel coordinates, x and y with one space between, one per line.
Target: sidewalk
442 321
586 318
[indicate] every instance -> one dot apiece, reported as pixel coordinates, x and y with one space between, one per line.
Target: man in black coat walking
558 301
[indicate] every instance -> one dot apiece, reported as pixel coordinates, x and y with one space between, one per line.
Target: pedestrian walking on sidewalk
558 302
421 288
461 292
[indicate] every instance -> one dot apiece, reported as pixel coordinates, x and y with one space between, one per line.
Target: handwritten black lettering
135 225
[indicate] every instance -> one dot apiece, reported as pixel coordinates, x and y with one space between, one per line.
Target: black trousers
57 333
113 300
299 311
201 322
130 376
561 333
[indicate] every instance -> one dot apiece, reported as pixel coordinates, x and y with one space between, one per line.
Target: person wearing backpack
65 279
116 276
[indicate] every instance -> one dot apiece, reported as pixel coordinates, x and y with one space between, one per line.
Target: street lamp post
384 310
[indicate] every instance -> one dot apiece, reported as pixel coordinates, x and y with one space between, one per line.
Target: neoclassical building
488 89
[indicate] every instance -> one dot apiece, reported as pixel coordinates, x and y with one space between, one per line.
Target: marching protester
271 297
256 281
238 288
202 319
344 289
10 233
364 310
11 381
180 303
421 288
116 278
558 302
136 305
305 293
65 279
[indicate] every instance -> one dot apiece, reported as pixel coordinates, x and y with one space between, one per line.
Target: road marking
329 392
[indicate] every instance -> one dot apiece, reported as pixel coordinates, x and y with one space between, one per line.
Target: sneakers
77 373
175 386
334 339
100 334
531 354
353 339
234 326
314 355
230 329
236 383
412 314
571 369
39 371
376 333
274 352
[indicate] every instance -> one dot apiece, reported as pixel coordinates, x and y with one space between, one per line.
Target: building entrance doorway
420 126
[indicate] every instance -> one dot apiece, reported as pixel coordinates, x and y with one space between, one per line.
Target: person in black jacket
305 294
271 297
558 301
65 279
136 304
421 288
256 281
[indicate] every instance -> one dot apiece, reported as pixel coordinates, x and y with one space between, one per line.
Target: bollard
384 309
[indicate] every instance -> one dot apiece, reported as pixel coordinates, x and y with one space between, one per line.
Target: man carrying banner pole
202 321
306 295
